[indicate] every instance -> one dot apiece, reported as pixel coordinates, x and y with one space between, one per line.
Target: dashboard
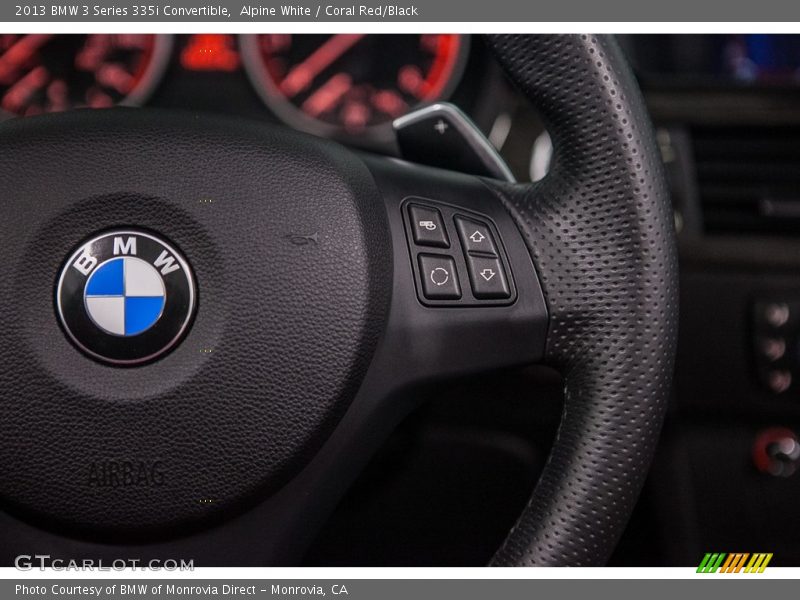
733 60
727 114
349 87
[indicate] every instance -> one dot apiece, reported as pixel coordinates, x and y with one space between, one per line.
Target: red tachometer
50 73
352 83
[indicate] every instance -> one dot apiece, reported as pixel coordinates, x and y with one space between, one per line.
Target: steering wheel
319 292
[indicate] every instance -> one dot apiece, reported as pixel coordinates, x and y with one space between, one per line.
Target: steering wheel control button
488 278
427 226
125 297
475 237
439 277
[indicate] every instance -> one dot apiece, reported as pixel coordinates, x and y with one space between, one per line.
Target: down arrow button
488 278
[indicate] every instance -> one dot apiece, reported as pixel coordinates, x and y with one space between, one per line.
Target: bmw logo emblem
125 297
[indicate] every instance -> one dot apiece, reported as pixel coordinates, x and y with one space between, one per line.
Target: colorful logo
743 562
125 297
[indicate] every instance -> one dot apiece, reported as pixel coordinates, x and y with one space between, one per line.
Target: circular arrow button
438 277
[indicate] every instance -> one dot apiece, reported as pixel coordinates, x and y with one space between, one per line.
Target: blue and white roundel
125 296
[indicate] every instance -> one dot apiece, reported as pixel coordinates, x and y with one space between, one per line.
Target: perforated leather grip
599 228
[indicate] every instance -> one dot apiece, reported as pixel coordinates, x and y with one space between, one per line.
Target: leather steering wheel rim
599 229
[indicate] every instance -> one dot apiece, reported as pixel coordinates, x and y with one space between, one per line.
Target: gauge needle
328 95
301 76
115 76
18 94
21 51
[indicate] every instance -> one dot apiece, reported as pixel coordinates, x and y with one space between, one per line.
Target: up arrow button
475 237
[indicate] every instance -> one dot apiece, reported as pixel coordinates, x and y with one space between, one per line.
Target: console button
488 278
776 315
779 381
475 236
773 348
439 277
427 226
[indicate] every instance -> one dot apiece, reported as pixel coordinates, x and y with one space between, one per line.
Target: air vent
749 179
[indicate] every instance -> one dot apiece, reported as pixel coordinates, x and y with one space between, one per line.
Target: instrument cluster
346 86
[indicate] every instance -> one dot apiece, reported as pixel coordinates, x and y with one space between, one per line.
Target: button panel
440 268
776 339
